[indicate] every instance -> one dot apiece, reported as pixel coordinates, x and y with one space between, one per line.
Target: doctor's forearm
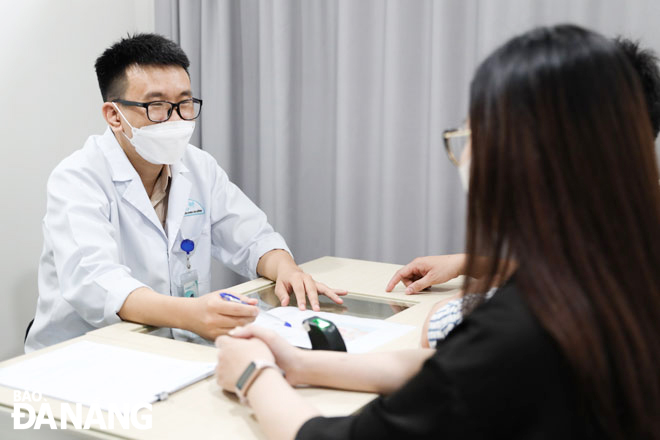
144 306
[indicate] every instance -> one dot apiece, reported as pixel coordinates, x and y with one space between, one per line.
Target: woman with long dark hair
563 181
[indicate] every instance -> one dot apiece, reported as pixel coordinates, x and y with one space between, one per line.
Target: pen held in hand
233 298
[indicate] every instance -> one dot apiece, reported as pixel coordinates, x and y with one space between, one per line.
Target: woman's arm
340 370
424 341
280 410
355 372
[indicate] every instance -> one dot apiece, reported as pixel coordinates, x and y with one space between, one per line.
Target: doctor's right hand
211 316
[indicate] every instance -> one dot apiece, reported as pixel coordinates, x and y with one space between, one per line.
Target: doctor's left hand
294 280
278 265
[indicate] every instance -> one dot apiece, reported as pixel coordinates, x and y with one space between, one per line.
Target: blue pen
233 298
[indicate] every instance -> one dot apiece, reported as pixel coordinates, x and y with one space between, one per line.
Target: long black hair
564 181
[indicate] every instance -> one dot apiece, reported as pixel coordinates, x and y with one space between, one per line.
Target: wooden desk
203 409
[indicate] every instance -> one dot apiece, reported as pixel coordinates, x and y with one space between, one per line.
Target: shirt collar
161 186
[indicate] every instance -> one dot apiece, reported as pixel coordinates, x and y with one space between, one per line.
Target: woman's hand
424 272
235 355
280 410
287 357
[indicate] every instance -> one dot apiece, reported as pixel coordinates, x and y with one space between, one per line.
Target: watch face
245 376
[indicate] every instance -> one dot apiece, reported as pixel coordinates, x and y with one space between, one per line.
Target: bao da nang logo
33 411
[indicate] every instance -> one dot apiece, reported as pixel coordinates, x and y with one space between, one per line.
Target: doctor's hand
211 316
278 265
287 357
423 272
294 280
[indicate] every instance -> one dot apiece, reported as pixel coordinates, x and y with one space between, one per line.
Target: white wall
49 104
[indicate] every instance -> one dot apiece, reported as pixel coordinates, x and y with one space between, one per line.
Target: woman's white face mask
164 143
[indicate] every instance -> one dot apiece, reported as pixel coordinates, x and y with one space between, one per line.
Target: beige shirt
160 194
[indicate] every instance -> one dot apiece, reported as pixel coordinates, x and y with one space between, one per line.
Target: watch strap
250 375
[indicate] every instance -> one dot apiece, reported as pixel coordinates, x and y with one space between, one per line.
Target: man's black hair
645 62
140 49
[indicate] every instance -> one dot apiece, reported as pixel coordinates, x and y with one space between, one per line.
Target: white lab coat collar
122 170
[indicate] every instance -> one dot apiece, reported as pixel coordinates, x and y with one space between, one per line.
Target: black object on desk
323 334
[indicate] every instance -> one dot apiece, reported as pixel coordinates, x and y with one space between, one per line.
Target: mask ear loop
124 117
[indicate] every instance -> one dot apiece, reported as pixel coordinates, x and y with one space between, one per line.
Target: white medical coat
103 239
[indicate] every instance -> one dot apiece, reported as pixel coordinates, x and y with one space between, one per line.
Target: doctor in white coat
134 217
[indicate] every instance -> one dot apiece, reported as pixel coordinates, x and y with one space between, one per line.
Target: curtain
329 113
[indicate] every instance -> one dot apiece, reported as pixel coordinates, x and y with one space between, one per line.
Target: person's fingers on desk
428 271
282 292
419 285
331 293
424 272
292 281
394 281
312 293
298 287
407 274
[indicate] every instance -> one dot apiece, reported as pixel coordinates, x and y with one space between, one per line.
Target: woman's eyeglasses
456 141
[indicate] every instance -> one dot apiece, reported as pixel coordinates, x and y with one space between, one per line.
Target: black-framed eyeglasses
456 140
161 111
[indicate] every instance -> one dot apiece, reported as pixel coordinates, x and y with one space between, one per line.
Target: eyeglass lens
458 146
161 111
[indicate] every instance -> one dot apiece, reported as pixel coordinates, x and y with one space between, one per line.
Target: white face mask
161 144
464 173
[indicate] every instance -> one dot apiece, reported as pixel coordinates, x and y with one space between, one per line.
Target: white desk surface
203 409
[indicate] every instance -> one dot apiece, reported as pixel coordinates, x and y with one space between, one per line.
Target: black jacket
497 375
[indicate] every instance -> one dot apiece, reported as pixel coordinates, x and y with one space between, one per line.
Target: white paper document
104 375
360 334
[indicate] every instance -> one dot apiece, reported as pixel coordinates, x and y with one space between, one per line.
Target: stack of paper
103 375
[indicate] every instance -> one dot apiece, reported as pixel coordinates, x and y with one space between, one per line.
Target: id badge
190 284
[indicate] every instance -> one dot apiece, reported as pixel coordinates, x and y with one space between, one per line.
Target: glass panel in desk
354 304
